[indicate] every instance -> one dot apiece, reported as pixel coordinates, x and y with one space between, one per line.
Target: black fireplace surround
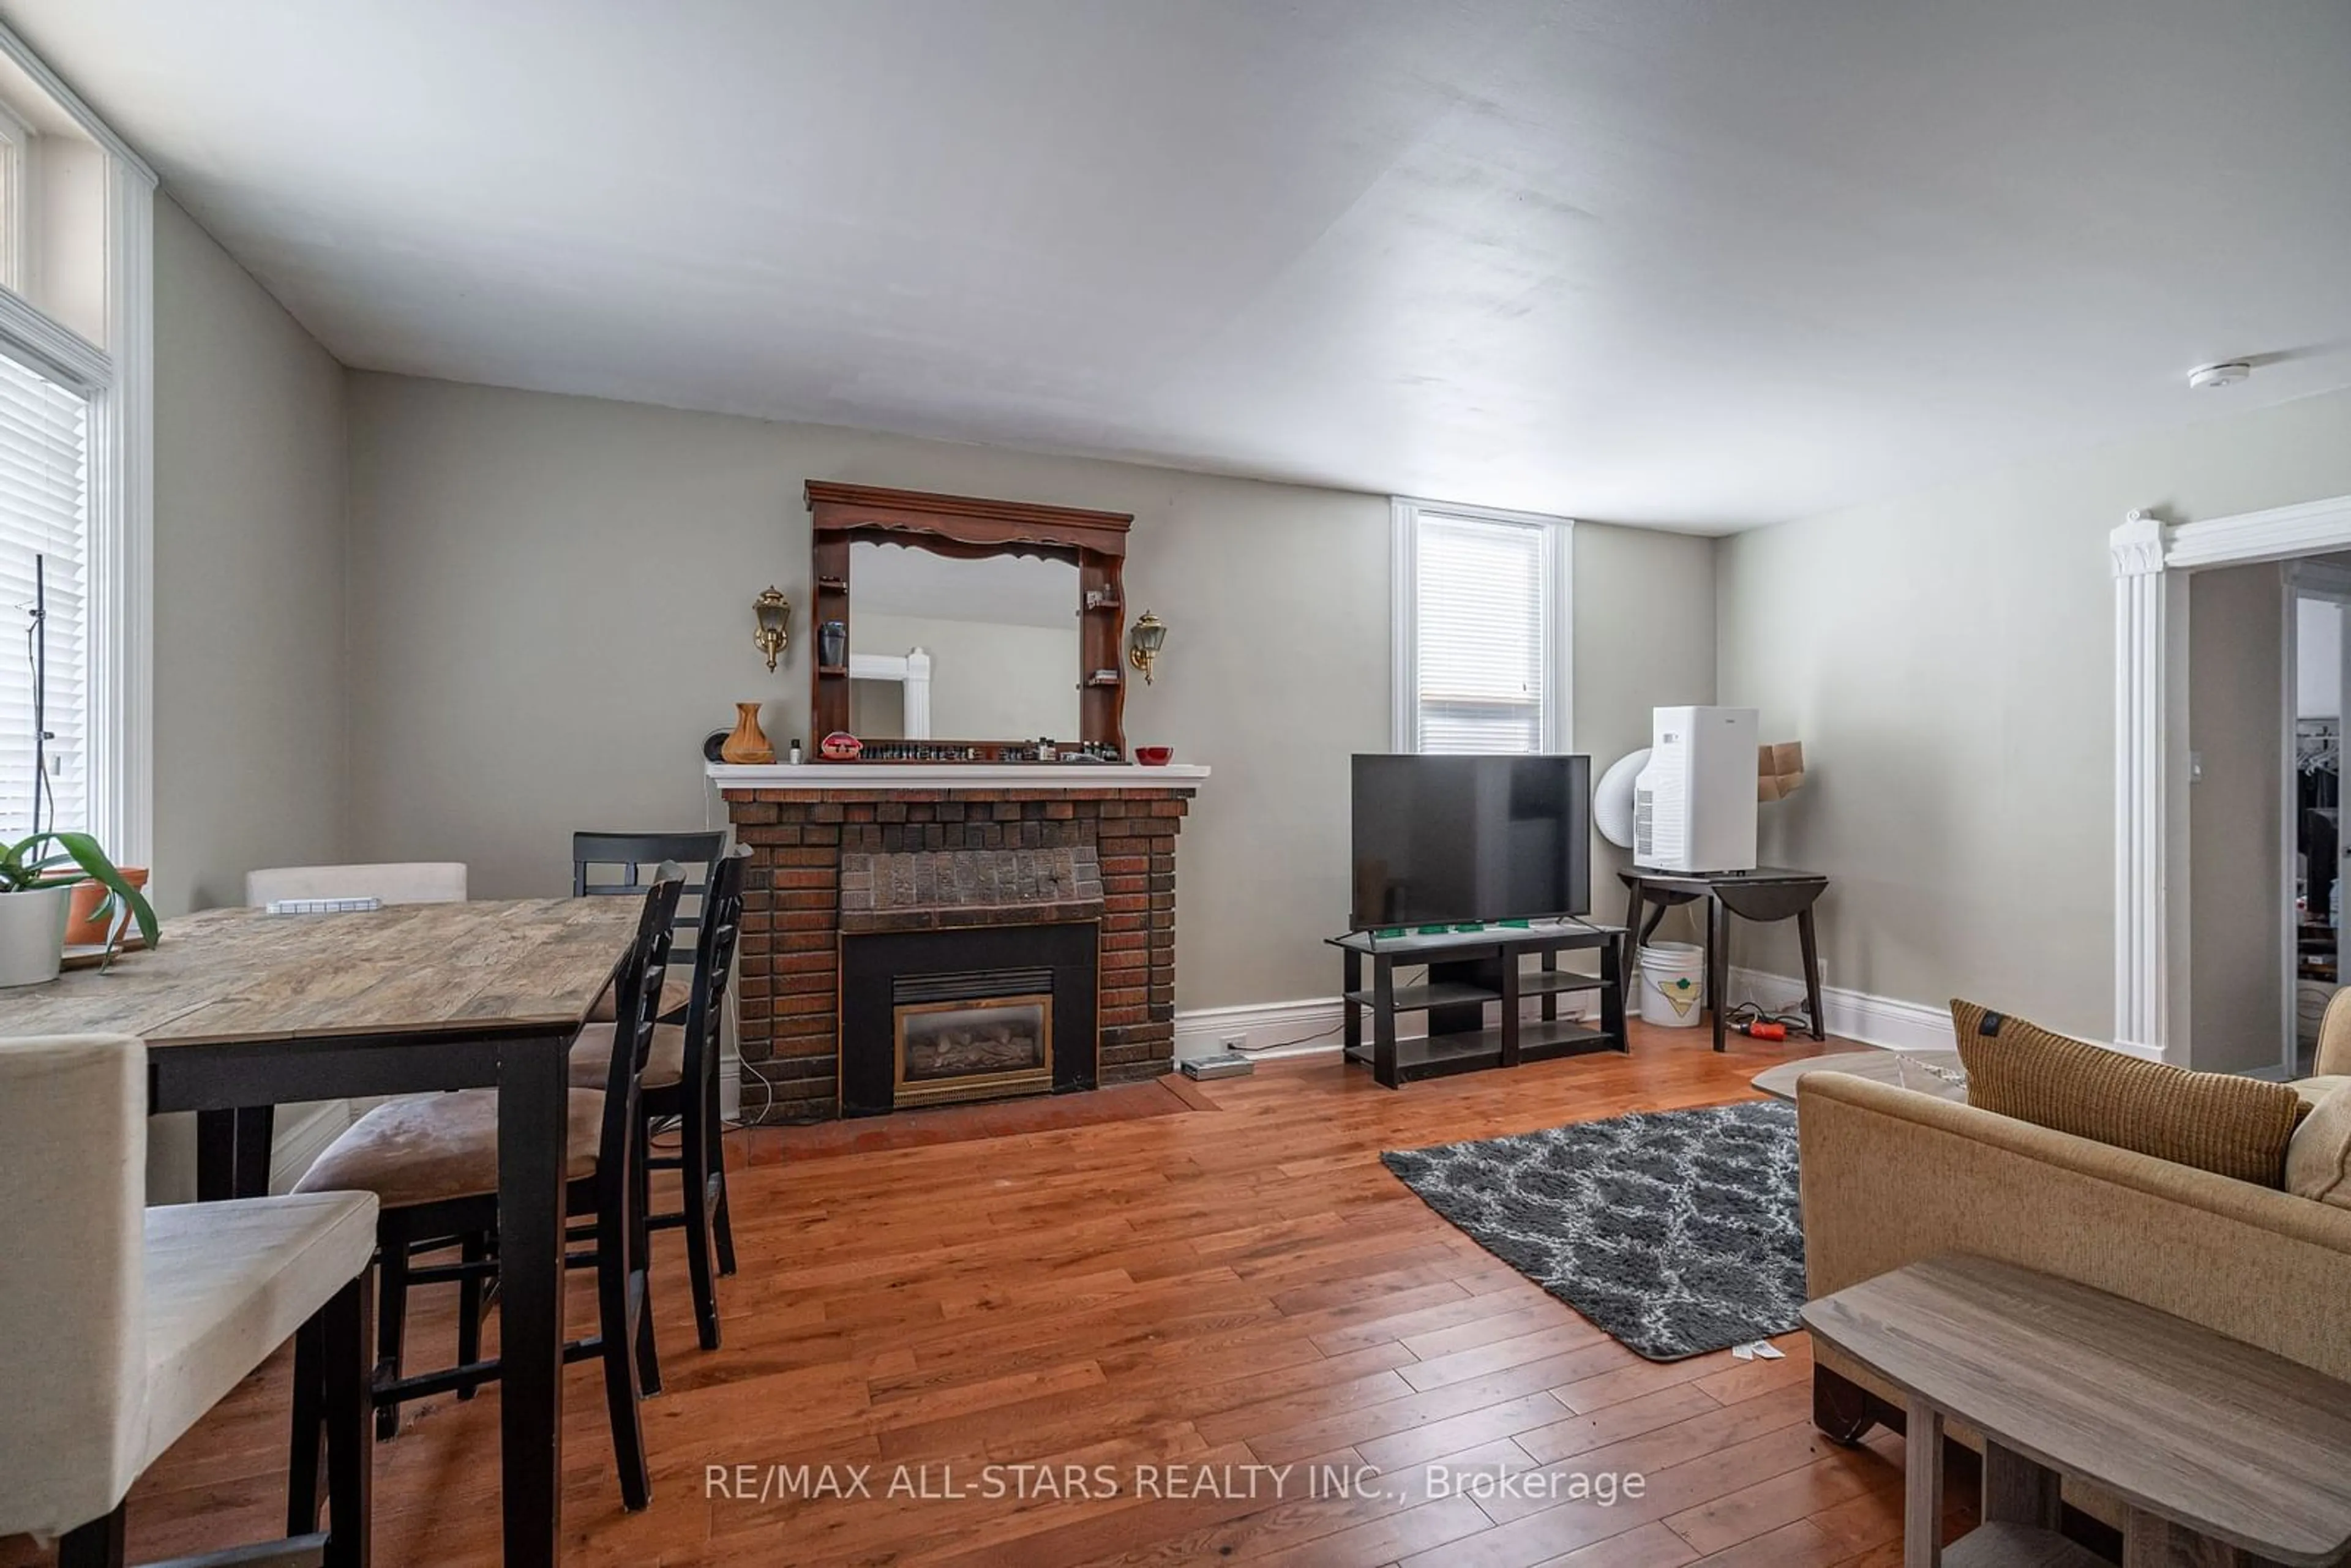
880 968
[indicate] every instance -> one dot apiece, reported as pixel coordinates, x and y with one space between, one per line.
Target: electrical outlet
1235 1042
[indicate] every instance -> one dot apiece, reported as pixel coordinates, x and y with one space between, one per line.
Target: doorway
2319 674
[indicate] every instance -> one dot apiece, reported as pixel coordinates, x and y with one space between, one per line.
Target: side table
2225 1455
1762 895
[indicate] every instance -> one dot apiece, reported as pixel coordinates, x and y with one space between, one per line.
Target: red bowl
1154 756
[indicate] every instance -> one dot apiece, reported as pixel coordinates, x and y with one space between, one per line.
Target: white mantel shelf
814 776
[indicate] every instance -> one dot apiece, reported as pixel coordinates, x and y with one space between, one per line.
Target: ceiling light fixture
2225 373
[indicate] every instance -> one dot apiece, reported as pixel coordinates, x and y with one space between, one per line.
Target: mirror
959 649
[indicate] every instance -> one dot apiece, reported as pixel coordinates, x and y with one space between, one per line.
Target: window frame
119 378
1558 726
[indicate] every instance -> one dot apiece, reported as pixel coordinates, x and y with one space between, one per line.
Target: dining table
242 1009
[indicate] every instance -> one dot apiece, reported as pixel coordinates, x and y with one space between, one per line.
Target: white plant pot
33 933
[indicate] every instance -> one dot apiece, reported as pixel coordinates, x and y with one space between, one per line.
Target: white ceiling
1696 265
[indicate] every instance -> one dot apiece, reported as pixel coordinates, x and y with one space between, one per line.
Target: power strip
1229 1065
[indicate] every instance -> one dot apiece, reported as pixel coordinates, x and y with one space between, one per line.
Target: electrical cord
1744 1013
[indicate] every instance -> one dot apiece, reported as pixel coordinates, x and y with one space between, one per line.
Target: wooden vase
748 744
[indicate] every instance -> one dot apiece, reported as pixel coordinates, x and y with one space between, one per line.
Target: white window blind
43 516
1480 594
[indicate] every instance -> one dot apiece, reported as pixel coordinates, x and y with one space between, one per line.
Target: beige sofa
1890 1176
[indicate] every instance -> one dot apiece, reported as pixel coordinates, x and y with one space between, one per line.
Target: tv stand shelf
1468 971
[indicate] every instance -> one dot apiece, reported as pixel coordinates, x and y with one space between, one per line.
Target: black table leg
1717 962
532 1102
215 1156
1384 1021
1811 944
233 1149
345 1334
256 1128
1632 906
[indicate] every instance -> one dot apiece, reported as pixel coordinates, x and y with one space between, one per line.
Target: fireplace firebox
967 974
972 1036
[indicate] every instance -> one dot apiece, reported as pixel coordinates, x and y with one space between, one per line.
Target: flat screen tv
1449 840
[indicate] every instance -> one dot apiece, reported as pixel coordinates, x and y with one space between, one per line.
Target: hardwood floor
1211 1276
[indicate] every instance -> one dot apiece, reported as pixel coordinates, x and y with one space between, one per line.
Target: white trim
2145 551
1314 1027
122 532
1308 1028
2289 790
1886 1021
910 671
2140 843
70 102
953 775
51 347
120 380
1404 617
300 1143
2309 528
1403 625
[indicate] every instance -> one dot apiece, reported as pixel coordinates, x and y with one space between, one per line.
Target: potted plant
37 876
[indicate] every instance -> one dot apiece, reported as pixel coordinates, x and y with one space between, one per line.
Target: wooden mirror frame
971 528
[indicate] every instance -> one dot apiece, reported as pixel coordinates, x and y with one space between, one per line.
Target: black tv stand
1469 968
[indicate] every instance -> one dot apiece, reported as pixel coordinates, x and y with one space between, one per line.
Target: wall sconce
1144 640
775 635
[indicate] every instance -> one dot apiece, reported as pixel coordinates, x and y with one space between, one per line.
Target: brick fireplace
975 907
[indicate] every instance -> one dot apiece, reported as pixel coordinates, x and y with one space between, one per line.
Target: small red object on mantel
841 746
1154 756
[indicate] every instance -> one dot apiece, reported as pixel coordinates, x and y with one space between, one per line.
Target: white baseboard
1271 1030
1886 1021
1276 1030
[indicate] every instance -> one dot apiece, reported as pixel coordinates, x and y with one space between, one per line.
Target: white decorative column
2141 846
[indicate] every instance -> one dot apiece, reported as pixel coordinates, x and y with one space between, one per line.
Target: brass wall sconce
1144 640
774 633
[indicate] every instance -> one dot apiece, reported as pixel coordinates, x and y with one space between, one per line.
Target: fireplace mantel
887 775
821 832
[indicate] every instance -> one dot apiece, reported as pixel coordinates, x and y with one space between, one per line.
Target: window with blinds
1482 590
44 561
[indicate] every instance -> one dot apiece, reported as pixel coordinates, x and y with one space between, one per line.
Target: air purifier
1693 804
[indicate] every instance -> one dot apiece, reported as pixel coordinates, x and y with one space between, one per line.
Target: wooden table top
2236 1443
231 975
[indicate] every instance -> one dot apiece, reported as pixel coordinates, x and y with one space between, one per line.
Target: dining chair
681 1082
124 1324
399 881
432 1161
613 865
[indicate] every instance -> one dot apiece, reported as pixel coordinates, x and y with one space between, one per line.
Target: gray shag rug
1677 1231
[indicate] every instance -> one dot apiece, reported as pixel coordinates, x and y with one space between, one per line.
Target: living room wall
251 443
550 604
1947 660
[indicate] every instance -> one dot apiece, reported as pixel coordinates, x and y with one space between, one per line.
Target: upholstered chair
2335 1037
124 1324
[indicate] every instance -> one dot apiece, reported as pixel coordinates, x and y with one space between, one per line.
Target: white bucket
1673 984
